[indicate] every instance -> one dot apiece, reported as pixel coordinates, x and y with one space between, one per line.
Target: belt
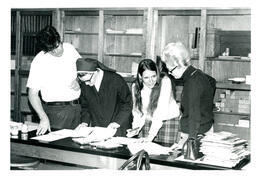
62 103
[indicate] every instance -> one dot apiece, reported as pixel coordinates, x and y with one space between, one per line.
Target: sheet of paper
123 140
150 147
55 135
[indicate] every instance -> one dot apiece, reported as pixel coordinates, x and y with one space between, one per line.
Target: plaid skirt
167 134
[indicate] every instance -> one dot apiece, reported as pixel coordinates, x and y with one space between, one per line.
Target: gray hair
176 54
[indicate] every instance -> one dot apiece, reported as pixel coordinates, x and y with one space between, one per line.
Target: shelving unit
124 37
80 27
231 86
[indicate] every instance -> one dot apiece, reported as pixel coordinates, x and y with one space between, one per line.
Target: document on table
61 134
123 140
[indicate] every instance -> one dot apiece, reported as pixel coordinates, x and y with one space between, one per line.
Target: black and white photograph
114 88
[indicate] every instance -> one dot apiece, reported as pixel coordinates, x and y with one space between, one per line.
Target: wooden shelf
124 11
232 60
80 33
197 11
89 54
231 86
125 34
123 55
231 113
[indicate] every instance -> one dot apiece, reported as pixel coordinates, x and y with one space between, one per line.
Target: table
67 151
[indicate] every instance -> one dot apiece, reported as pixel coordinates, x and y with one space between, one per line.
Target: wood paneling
123 44
222 70
85 36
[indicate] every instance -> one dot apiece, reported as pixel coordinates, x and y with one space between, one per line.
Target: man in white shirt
53 73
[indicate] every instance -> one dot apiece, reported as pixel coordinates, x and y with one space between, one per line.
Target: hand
113 125
74 85
132 132
43 126
80 126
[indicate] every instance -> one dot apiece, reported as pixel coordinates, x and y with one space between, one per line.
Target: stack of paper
223 149
96 135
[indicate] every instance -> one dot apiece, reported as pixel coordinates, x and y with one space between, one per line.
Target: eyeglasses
170 72
80 75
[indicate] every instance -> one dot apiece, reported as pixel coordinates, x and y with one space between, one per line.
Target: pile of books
223 149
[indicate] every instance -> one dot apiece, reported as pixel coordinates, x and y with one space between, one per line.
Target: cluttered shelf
231 113
233 86
230 58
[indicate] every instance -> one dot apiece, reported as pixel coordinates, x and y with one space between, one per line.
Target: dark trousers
63 116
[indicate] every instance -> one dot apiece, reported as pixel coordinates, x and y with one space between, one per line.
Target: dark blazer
197 102
113 103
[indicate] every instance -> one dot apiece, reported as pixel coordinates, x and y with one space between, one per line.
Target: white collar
98 79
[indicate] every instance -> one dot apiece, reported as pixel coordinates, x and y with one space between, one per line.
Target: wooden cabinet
124 38
115 37
81 28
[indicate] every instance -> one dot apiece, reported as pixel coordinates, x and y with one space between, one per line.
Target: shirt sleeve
75 53
35 77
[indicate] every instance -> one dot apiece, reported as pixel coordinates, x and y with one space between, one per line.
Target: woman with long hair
155 111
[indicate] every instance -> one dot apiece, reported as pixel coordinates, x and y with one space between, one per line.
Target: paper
64 133
123 140
56 135
108 144
98 134
150 147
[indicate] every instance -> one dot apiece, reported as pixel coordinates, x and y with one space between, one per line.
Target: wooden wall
223 70
87 41
175 28
123 45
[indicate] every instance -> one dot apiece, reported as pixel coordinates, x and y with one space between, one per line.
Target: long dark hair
164 71
147 64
